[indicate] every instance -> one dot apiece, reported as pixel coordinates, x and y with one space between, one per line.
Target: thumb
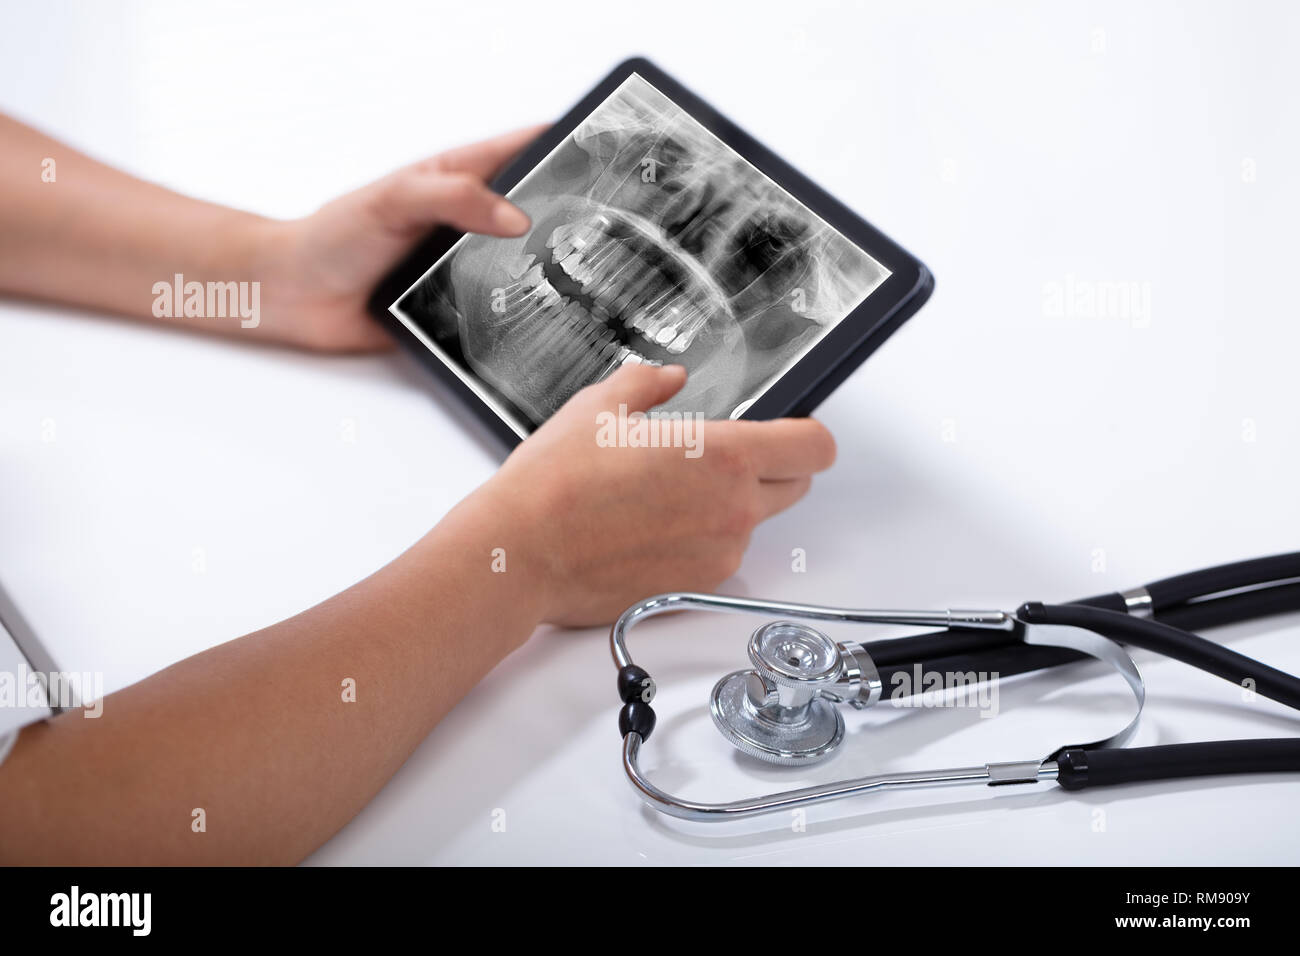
640 387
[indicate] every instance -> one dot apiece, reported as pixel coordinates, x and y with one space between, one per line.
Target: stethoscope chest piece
776 712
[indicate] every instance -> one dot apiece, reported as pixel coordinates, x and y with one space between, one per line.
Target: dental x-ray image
652 242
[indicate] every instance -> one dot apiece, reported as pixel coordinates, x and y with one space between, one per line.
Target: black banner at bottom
333 905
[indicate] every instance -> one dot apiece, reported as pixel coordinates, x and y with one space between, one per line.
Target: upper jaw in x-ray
651 243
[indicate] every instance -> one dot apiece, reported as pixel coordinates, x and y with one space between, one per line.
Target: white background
196 490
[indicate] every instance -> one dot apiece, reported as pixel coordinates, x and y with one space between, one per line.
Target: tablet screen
652 242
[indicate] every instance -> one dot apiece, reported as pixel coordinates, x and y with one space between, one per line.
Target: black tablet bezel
805 384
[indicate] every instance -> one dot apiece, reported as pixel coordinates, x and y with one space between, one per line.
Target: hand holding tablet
660 234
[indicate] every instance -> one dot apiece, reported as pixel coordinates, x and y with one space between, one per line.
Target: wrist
497 538
519 523
238 252
269 250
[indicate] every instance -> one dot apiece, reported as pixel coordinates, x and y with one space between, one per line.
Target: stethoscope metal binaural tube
989 774
681 600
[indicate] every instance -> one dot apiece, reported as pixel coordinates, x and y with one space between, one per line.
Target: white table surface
161 493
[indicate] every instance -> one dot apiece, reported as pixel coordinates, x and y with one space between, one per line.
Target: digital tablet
661 233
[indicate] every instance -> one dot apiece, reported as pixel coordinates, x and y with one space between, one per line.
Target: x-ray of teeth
652 242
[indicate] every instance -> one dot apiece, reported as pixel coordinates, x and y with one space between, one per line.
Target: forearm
97 237
257 732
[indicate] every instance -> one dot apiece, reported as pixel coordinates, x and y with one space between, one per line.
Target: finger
775 496
639 387
414 201
786 448
484 160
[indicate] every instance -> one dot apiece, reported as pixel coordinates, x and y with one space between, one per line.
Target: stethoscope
787 708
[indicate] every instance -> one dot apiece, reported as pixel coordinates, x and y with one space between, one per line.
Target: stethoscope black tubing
996 652
1002 653
1225 577
1077 768
1181 605
1174 643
